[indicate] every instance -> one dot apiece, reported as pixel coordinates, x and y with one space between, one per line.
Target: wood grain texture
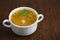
48 29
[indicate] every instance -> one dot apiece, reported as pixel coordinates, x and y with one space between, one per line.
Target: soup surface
23 17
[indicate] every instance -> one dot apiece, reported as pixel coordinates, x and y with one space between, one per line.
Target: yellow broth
22 20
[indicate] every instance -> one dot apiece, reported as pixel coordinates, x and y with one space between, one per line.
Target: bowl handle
6 23
42 17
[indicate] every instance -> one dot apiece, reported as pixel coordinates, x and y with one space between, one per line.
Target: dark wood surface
48 29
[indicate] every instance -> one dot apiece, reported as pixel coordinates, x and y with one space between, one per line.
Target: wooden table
48 29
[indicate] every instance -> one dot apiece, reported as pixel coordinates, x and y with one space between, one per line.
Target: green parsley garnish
23 12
